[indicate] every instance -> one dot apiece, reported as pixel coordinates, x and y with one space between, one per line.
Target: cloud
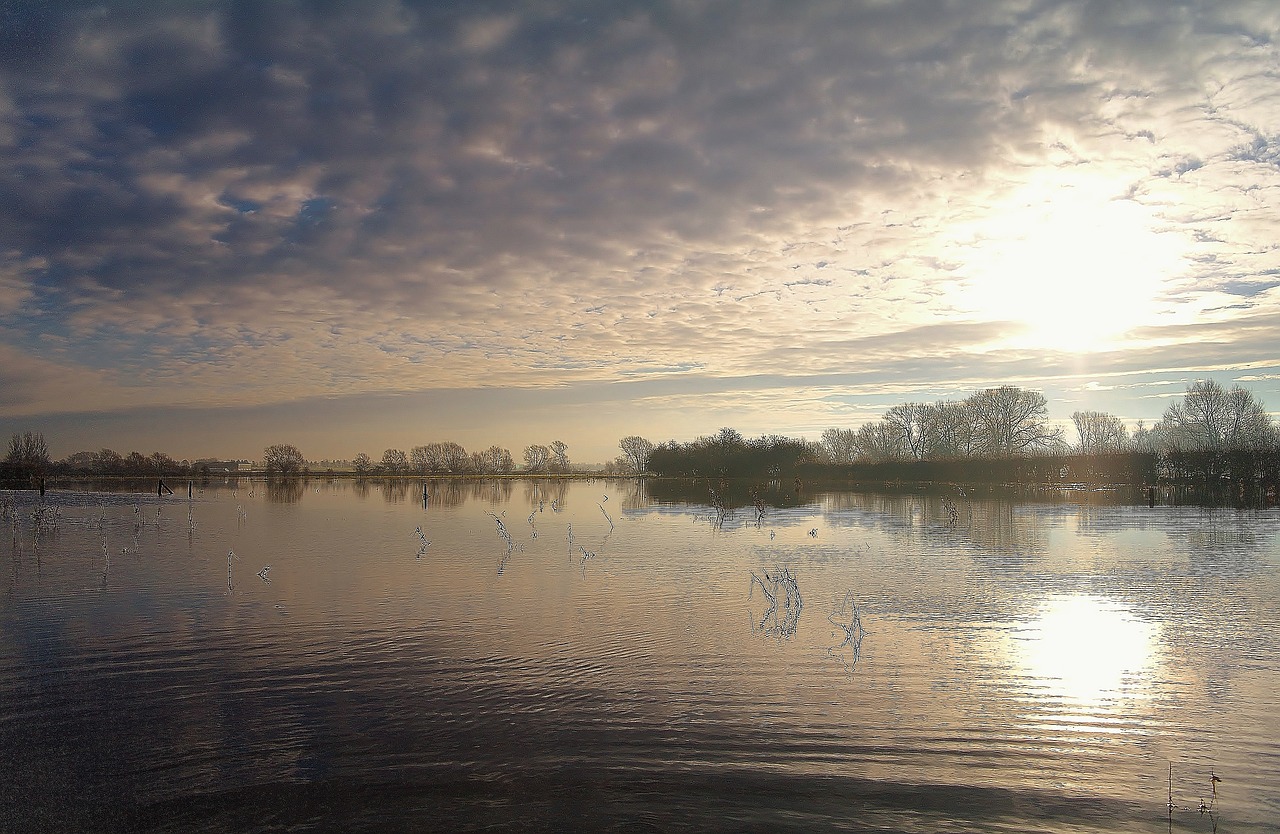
249 203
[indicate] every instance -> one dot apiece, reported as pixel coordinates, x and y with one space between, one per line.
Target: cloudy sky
354 226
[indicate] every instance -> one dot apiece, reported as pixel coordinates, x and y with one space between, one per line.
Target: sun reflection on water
1088 650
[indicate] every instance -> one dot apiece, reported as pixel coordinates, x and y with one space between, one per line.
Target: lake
606 655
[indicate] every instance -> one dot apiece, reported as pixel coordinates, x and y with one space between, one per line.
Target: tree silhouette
1100 433
636 451
283 459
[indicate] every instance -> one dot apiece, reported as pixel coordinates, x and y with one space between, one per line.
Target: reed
506 537
718 506
502 531
849 620
782 618
953 513
1208 808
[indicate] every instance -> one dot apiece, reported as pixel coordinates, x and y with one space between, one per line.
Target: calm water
584 656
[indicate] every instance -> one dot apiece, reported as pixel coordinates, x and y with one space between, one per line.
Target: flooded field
551 655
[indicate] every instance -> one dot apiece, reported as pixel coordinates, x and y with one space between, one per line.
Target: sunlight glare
1087 649
1073 264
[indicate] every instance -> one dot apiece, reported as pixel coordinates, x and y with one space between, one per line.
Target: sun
1070 262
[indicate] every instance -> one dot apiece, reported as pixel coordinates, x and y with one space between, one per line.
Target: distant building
211 466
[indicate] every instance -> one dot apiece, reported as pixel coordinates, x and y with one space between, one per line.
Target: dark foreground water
580 656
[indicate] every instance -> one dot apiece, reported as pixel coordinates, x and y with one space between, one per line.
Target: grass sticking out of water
782 592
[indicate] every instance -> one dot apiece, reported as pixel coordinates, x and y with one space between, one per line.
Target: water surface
538 655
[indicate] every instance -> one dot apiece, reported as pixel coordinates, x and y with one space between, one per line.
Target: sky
361 226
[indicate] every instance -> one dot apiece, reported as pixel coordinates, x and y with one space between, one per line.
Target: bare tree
492 461
840 446
419 461
28 449
636 451
501 460
910 420
283 459
455 458
362 463
163 464
559 456
536 458
28 455
949 430
447 458
1147 438
395 461
1012 421
1100 433
108 462
879 442
1213 418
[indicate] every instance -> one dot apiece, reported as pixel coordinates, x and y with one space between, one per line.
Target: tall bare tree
636 451
880 441
840 446
536 458
950 431
1100 433
1211 417
559 456
910 420
1013 421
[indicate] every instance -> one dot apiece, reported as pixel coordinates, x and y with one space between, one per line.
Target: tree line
1212 434
449 458
438 459
28 460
